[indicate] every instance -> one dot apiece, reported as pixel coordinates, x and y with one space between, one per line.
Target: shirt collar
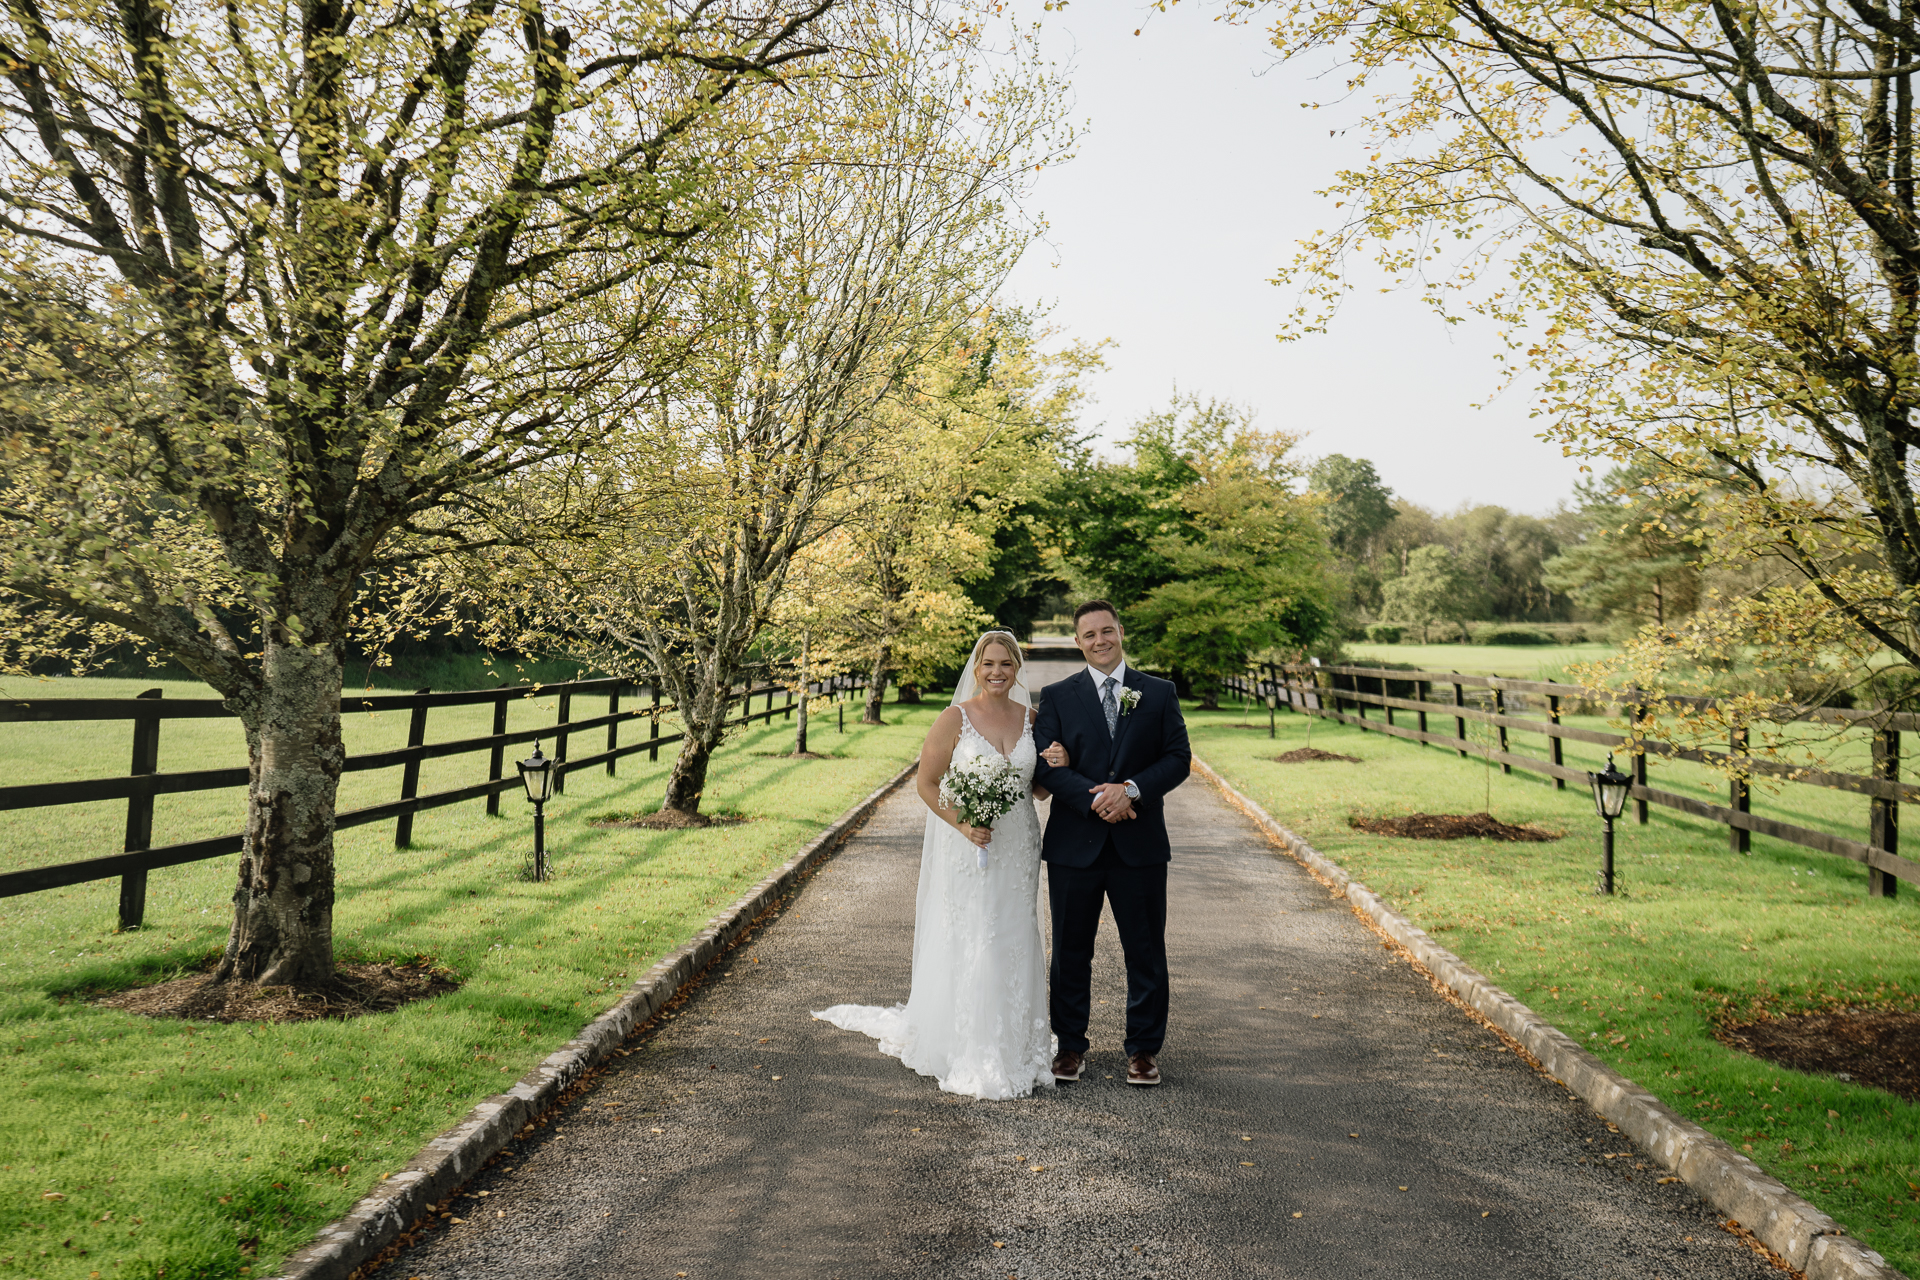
1100 680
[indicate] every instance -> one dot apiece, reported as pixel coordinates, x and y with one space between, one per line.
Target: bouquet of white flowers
982 791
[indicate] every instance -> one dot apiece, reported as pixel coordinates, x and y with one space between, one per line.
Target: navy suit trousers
1138 897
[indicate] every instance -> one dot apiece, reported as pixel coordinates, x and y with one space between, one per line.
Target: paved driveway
1324 1114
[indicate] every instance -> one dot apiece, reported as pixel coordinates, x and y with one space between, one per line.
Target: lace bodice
972 743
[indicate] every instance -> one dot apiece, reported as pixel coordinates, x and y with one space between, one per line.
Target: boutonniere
1129 699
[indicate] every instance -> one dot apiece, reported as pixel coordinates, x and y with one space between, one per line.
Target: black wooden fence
143 780
1346 694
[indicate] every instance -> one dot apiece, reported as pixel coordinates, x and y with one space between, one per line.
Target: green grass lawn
1522 662
1640 978
130 1145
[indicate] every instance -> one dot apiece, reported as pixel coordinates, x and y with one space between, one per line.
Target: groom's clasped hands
1110 801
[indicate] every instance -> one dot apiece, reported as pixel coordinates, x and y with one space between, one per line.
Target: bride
976 1017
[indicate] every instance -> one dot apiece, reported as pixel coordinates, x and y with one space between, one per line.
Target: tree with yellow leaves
1707 215
969 452
887 222
289 291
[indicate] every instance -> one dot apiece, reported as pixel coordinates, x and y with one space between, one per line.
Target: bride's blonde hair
1008 641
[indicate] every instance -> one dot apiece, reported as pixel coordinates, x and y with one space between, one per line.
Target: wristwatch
1133 789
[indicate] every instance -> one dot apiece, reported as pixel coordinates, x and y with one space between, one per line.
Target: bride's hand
1056 755
982 836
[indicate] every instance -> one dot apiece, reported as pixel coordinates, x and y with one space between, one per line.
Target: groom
1106 837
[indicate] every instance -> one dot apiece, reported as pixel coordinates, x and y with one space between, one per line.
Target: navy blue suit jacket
1150 748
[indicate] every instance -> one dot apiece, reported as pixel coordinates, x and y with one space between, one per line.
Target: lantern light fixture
536 775
1610 788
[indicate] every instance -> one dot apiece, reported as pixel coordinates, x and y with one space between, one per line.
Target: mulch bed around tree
672 820
1450 826
1307 755
357 989
1878 1047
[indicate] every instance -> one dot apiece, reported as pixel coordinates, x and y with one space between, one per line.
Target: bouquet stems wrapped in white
982 791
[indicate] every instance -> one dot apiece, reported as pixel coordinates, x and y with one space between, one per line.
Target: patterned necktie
1111 706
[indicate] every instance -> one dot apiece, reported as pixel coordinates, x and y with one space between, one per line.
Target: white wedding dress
976 1018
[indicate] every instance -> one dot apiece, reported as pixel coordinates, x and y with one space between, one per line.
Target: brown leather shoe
1143 1069
1067 1064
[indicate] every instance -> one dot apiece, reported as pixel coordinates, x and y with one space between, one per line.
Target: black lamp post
1609 800
536 774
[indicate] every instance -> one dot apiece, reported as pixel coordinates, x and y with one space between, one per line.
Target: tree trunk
877 683
283 907
800 718
689 778
708 700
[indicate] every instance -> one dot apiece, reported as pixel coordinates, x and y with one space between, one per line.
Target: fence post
1500 709
1384 695
497 758
1884 825
1639 757
1460 722
410 771
653 746
1739 793
1554 744
560 741
146 759
1420 695
613 730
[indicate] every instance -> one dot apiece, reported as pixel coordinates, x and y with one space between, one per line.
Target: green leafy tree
1640 562
1503 554
1357 511
290 293
1433 589
1358 508
1204 544
1113 513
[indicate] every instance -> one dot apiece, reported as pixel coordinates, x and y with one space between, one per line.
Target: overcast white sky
1193 180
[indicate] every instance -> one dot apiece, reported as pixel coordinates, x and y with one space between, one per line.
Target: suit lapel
1090 695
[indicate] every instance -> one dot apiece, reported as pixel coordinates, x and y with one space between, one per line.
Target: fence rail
1340 693
143 781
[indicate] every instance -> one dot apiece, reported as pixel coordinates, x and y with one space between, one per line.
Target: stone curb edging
1806 1238
451 1159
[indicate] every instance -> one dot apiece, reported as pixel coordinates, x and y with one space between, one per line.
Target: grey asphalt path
1325 1114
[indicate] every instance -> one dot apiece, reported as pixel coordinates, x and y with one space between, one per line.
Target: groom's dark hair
1094 606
